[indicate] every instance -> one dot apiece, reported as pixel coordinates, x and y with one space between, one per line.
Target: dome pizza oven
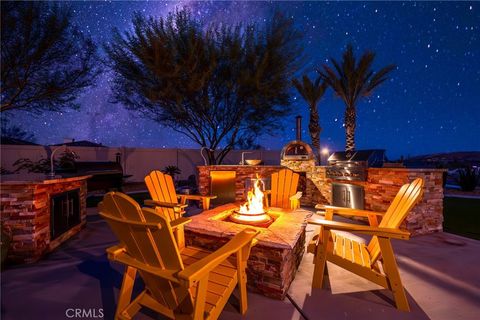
297 149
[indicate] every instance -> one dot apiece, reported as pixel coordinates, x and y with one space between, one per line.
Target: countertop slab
39 178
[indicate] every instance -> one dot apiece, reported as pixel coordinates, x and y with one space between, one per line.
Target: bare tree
46 61
220 86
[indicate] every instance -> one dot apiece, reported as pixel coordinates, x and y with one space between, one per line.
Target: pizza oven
297 149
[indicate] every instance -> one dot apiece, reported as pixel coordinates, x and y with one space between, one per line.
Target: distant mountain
445 160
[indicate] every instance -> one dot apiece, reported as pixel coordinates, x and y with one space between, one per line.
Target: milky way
430 104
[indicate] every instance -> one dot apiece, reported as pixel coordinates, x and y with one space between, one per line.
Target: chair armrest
119 254
198 270
179 222
356 228
175 206
195 196
296 196
349 211
153 225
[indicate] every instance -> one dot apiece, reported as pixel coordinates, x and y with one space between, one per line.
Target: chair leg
206 203
125 294
180 237
320 260
393 276
242 278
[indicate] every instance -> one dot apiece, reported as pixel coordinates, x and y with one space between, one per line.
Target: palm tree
352 80
312 92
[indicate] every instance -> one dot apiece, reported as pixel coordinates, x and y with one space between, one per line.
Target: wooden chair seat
220 279
350 250
345 248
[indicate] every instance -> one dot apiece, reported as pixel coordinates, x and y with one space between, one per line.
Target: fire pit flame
254 204
252 212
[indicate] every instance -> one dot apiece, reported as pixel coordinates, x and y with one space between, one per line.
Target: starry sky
430 104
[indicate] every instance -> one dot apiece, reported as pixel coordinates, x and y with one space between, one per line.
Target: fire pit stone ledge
273 261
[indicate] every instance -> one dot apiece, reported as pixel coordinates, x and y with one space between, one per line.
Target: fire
252 212
254 204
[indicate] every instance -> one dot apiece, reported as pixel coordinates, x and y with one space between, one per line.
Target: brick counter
381 187
25 215
242 173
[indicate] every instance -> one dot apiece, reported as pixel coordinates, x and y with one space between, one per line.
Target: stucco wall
137 162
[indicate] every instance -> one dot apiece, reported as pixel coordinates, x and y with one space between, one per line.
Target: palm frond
378 78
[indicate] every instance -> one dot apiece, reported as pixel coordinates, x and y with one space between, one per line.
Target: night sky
430 104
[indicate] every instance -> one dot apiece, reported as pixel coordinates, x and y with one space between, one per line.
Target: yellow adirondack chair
161 189
180 284
375 261
283 193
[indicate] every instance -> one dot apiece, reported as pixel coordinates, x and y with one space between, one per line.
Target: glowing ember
252 212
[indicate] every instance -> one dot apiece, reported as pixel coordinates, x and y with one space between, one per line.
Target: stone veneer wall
270 271
25 214
381 187
299 165
242 173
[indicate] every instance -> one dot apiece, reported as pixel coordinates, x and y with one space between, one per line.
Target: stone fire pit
273 261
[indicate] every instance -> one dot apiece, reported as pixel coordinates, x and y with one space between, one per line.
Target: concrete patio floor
440 273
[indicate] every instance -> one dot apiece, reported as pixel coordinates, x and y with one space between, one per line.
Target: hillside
445 160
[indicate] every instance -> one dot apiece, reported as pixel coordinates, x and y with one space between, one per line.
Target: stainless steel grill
353 165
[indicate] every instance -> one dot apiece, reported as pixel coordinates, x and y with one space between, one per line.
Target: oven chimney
299 128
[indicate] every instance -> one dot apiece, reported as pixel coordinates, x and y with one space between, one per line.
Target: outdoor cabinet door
222 184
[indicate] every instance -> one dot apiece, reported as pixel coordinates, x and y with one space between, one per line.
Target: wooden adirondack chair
283 193
165 200
375 261
161 188
181 284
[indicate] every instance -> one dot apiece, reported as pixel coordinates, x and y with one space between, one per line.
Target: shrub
468 178
172 170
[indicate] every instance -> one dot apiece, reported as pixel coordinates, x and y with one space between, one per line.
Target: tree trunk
315 130
350 125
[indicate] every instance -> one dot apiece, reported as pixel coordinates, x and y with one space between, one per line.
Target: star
437 85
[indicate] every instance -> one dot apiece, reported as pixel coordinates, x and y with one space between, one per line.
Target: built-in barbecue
353 165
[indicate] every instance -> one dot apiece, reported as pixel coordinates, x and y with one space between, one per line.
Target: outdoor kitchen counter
27 202
39 178
239 174
381 186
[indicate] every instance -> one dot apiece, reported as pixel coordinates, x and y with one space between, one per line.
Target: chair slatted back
161 188
151 245
284 185
398 210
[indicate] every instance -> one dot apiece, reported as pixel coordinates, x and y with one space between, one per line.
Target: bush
66 161
468 178
172 171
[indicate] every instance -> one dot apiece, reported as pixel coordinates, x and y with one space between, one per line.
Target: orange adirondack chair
283 193
188 283
375 261
161 189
